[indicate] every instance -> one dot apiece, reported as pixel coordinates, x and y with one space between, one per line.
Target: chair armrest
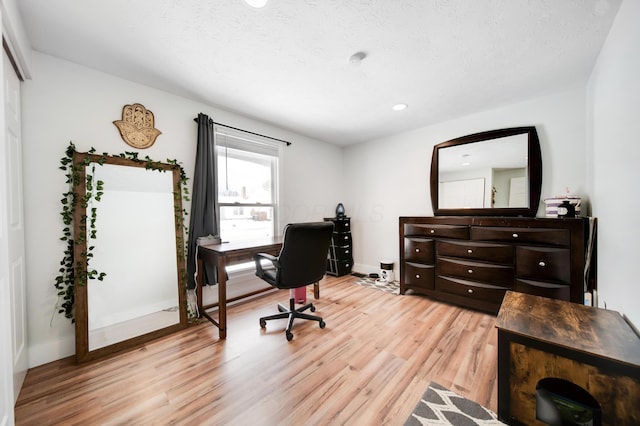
259 256
267 256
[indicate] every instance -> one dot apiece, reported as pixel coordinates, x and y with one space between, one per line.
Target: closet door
14 280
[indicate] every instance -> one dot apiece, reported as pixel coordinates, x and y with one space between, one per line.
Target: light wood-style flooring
369 366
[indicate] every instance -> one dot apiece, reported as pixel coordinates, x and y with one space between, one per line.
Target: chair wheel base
291 314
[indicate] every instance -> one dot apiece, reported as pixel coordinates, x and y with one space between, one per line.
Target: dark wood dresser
473 261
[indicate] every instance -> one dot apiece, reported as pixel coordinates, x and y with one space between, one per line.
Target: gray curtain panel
204 199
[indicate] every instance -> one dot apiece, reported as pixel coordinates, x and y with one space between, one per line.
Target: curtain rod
246 131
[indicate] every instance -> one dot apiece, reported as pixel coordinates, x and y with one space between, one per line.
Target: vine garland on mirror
72 270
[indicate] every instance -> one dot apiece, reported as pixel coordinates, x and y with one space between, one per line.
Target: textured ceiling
288 63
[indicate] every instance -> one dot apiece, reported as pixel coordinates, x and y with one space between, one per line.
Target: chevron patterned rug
440 406
393 287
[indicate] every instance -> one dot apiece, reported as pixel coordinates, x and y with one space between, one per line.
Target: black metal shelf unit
340 257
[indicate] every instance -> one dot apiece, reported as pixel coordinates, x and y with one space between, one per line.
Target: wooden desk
591 347
223 255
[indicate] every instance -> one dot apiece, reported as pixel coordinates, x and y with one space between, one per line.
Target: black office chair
302 261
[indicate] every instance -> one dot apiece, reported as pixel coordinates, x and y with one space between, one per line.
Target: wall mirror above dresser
492 173
485 239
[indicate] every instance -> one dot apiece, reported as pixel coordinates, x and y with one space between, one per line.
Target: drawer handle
470 291
542 263
417 275
433 231
417 250
470 271
469 251
515 235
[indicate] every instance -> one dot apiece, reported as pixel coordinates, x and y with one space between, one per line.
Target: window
247 185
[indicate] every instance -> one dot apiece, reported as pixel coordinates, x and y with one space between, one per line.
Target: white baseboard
51 350
138 311
366 269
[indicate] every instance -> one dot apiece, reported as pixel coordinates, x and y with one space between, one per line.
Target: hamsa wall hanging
137 126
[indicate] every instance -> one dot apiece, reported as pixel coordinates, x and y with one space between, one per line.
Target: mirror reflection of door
462 194
511 187
135 246
518 194
500 163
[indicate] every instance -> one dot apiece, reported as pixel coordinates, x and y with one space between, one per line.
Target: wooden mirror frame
534 174
81 311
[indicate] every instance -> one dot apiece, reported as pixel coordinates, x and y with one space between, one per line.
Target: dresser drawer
339 267
460 232
486 272
547 236
418 249
543 264
497 253
551 290
341 225
341 239
341 253
418 275
471 289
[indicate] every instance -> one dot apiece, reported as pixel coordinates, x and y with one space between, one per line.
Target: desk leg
504 387
316 290
201 311
199 286
222 296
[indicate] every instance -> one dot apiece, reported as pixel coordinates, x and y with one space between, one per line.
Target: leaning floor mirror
129 232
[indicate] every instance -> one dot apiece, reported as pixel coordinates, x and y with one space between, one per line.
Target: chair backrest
303 258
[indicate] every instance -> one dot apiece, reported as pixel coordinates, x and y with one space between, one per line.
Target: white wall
66 102
389 177
614 109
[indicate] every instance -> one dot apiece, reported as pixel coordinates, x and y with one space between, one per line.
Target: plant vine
72 270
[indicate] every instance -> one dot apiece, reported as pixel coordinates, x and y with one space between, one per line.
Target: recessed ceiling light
399 107
256 3
357 57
